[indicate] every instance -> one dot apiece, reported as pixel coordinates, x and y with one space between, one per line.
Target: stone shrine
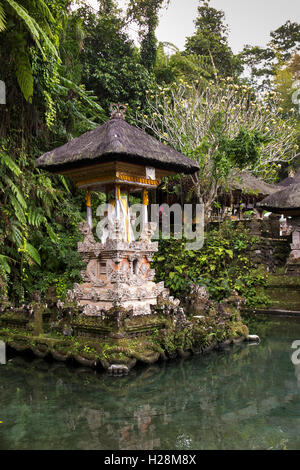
119 160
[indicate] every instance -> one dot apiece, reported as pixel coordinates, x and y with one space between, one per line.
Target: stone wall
272 253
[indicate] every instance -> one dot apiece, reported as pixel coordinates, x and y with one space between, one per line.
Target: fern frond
49 45
35 217
4 264
33 253
32 26
46 196
16 191
5 159
53 237
64 182
11 251
19 212
16 234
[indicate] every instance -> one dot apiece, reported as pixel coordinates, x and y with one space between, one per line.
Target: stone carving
199 291
118 273
91 310
148 232
115 230
198 301
87 233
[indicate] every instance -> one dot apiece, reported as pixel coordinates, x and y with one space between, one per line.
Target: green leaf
18 209
230 253
33 253
4 263
24 74
8 161
44 9
64 182
24 15
35 218
16 191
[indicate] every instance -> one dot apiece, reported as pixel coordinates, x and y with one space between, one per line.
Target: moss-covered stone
108 344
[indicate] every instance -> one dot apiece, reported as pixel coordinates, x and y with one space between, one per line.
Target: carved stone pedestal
117 274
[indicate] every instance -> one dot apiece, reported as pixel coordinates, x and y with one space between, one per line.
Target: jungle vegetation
64 62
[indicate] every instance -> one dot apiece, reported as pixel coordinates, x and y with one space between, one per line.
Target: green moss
164 338
281 280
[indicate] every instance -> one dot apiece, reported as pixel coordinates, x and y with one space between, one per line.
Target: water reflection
244 397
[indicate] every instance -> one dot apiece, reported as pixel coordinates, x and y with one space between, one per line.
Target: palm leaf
49 45
24 15
44 9
24 74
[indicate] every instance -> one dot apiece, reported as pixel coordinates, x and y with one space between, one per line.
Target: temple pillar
89 215
145 207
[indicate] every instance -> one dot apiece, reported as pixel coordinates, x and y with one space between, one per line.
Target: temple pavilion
118 159
287 202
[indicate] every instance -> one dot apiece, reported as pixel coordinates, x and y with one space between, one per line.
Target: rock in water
254 338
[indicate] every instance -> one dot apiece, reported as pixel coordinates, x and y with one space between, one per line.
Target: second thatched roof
283 201
116 140
247 183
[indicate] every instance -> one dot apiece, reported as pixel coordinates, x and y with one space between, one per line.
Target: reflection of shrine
119 160
246 398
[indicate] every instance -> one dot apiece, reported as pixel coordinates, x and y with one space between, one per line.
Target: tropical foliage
63 63
222 265
223 126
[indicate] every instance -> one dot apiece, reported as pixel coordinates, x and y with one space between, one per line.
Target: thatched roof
116 140
247 183
285 200
290 179
287 182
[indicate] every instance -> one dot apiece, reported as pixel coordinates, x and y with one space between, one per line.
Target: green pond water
246 397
